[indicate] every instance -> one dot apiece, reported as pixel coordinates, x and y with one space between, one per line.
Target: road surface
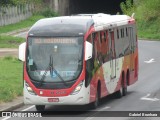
142 96
8 52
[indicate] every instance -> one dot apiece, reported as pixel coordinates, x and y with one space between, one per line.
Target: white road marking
150 61
28 108
149 99
6 118
105 108
101 109
89 118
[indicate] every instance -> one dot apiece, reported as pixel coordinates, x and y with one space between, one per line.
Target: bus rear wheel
40 107
119 93
124 90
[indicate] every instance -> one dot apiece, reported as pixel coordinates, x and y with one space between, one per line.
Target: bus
79 59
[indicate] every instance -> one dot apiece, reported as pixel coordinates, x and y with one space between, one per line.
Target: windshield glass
66 54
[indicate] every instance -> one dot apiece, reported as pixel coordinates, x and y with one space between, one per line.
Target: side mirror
88 51
22 48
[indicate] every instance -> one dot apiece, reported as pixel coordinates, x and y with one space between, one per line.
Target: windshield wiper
51 67
55 71
45 72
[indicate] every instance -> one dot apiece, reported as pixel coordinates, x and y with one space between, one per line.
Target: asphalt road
8 52
22 34
144 95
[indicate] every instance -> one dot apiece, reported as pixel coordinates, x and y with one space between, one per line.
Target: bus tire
124 91
97 101
40 107
125 83
119 93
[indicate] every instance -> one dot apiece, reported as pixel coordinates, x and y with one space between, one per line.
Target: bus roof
61 26
76 25
103 21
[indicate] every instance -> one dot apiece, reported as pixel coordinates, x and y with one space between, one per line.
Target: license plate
53 99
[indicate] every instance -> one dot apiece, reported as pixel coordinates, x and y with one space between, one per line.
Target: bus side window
100 37
97 51
105 36
107 47
126 32
122 33
117 33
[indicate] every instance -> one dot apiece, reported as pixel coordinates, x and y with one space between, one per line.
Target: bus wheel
40 107
96 103
124 90
119 93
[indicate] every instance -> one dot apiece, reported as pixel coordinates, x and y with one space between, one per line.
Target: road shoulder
8 52
14 104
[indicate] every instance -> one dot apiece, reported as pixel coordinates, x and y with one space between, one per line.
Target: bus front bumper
80 98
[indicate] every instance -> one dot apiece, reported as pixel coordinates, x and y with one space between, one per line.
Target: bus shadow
80 110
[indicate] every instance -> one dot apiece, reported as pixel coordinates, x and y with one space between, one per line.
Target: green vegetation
10 79
23 24
10 41
147 15
48 13
15 2
7 41
128 7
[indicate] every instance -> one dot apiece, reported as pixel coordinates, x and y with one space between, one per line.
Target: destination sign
55 40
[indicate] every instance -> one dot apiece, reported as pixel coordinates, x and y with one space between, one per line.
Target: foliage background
147 14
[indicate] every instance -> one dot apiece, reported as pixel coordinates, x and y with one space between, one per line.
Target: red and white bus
76 60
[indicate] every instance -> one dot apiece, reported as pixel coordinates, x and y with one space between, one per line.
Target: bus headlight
78 88
29 89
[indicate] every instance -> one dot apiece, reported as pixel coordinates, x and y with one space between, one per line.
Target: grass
147 16
10 79
10 41
149 29
23 24
147 35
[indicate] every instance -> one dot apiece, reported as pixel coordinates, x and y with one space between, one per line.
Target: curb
14 104
13 107
145 39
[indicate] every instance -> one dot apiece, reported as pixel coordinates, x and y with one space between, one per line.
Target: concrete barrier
14 14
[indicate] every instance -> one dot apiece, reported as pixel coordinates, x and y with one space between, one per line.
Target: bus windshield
66 53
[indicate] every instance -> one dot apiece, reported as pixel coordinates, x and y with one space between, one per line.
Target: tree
6 2
17 2
128 7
